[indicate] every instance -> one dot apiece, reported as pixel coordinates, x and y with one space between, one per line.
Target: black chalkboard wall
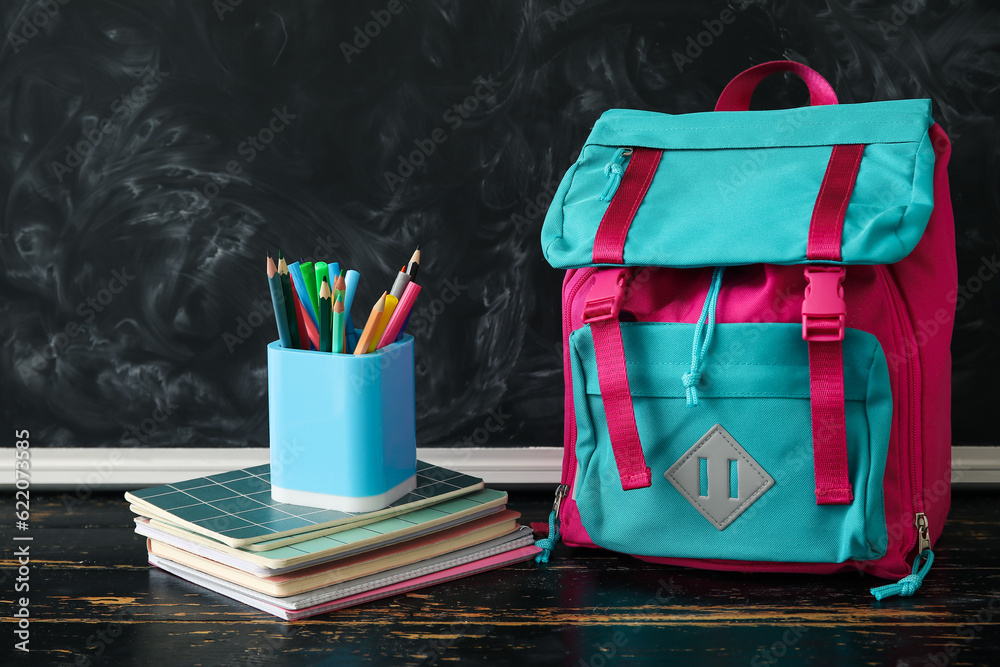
153 152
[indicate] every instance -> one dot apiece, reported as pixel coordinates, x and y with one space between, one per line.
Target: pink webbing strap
827 226
618 409
736 96
609 242
823 313
826 392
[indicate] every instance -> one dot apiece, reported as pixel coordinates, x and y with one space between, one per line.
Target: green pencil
286 291
324 318
338 323
338 326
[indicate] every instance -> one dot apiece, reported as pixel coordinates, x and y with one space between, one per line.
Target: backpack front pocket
732 476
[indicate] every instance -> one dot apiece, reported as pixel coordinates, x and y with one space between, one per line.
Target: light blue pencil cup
342 427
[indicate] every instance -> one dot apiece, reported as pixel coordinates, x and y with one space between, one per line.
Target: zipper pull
923 532
561 492
614 170
910 584
547 544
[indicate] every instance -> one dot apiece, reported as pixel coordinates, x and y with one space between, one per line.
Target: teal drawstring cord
547 544
691 379
613 171
909 584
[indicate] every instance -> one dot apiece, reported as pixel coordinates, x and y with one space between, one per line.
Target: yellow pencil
390 305
369 331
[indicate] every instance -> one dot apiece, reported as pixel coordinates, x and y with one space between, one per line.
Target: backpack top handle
736 96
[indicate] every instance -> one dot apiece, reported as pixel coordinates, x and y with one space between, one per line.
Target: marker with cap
351 280
295 271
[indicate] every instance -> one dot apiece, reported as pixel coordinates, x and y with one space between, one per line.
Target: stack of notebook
224 533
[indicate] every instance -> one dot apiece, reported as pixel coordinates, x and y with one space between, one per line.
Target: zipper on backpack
569 455
548 543
911 583
924 557
923 532
916 497
561 492
613 171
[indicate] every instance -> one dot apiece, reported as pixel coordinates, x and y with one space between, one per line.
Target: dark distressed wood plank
94 600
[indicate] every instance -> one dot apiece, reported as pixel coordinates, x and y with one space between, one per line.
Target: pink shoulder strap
609 243
601 313
617 397
823 314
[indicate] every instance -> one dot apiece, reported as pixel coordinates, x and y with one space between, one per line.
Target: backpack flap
739 187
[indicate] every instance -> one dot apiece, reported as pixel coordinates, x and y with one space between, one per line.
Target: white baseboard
84 469
87 469
975 466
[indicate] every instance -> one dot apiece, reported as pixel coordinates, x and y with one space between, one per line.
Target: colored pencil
325 344
390 306
278 303
339 286
322 270
286 293
369 331
394 329
414 264
338 323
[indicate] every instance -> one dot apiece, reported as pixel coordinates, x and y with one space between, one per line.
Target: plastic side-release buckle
604 301
824 309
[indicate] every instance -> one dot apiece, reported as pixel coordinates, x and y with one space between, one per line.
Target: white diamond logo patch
718 477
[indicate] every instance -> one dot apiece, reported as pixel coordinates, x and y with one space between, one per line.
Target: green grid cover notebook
321 548
236 508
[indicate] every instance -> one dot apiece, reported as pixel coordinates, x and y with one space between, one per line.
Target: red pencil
307 330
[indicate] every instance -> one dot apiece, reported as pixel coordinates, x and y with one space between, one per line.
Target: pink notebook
481 565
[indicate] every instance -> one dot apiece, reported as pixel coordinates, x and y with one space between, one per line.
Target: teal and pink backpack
757 314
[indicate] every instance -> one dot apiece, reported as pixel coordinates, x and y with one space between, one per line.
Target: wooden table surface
95 601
